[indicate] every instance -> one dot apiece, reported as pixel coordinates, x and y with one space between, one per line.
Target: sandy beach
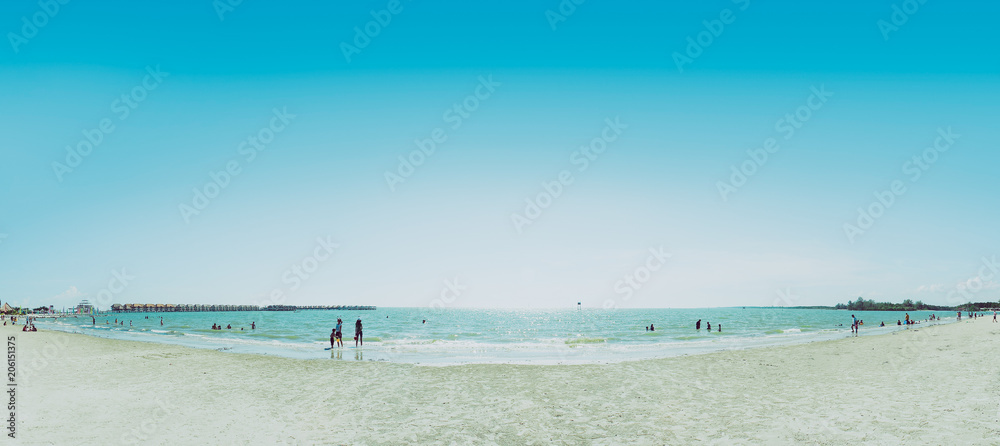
930 385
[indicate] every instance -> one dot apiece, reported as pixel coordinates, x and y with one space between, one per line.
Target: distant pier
185 308
318 307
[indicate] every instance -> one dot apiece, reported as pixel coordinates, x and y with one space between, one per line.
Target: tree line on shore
909 305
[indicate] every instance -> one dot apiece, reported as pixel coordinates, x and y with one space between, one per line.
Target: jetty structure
171 308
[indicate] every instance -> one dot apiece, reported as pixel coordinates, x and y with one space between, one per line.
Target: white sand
933 385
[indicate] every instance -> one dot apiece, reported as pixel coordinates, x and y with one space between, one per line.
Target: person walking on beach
697 325
854 325
358 334
994 315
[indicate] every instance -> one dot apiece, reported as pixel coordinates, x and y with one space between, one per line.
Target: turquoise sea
457 336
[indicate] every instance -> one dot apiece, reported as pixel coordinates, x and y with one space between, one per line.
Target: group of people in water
973 315
253 326
856 323
697 326
337 335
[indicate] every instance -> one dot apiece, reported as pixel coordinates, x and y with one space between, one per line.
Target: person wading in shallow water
339 333
358 335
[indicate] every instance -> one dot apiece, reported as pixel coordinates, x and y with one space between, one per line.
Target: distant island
907 305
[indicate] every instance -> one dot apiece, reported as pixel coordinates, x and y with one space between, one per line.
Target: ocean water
460 336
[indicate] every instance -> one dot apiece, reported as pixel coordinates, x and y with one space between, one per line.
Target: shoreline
931 385
441 349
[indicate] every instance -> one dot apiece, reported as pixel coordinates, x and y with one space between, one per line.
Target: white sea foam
487 336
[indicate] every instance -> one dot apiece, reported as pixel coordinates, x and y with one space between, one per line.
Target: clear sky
116 112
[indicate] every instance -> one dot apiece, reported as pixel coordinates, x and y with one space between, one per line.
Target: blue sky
543 92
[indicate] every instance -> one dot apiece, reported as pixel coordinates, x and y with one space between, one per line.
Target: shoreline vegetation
907 305
816 393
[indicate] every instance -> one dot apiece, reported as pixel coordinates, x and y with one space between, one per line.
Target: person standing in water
339 333
697 325
358 335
